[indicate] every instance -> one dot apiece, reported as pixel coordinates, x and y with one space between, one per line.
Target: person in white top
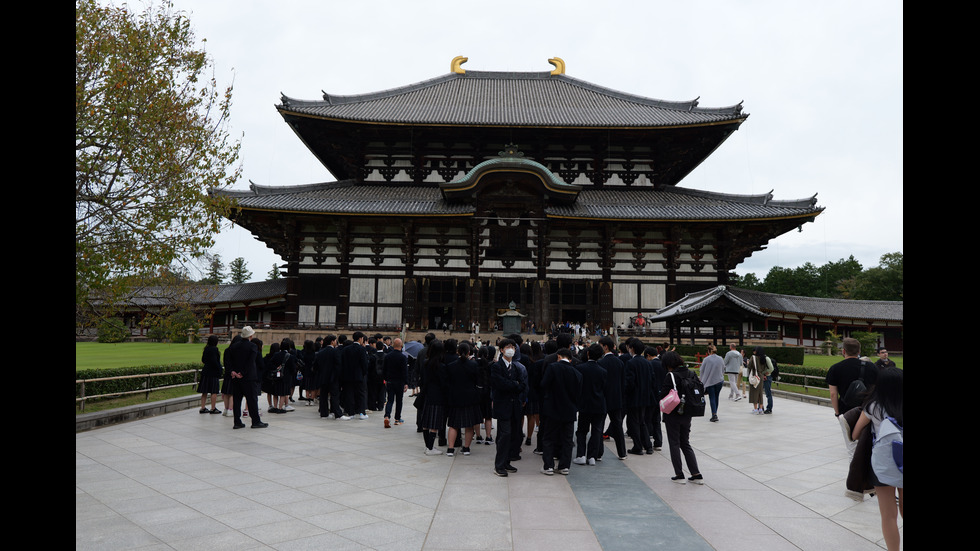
733 364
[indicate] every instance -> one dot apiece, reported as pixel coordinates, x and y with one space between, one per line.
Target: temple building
476 193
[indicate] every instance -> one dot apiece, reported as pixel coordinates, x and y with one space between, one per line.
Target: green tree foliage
239 271
844 278
273 273
151 141
175 325
113 330
216 271
883 282
868 340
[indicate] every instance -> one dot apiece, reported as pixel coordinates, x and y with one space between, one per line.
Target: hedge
117 386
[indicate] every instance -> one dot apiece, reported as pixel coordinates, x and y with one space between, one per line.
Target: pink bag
671 400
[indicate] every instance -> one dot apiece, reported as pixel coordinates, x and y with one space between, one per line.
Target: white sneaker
433 451
345 418
289 408
579 460
548 472
592 461
331 416
362 416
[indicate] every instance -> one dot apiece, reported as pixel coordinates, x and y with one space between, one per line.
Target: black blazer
395 367
615 381
593 399
211 359
242 358
462 377
354 358
506 388
561 387
639 382
326 365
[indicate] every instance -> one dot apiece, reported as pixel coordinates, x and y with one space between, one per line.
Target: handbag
670 401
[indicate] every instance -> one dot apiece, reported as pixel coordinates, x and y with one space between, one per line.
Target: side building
462 194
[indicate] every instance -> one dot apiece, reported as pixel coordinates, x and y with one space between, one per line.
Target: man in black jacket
395 371
561 387
639 388
591 408
327 365
245 378
654 420
354 358
614 394
508 386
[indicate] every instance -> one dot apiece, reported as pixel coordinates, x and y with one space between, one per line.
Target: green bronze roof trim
511 160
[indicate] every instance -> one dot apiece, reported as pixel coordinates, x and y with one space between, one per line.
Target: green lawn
814 360
91 355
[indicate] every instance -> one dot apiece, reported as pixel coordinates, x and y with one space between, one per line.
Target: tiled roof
676 203
878 310
700 300
764 304
348 197
510 99
617 203
208 294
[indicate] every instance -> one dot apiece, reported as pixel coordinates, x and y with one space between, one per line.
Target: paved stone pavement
188 481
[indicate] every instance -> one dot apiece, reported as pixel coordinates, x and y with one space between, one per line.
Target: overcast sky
821 81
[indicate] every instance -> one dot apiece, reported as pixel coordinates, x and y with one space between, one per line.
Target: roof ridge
681 106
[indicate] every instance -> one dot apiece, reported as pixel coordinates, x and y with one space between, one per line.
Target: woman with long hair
433 380
308 384
885 400
210 375
678 422
267 370
462 398
761 367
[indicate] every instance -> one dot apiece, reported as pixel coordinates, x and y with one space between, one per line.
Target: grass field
92 355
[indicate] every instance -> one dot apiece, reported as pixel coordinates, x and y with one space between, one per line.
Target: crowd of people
538 392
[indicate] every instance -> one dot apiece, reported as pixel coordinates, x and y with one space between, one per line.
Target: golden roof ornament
559 64
455 64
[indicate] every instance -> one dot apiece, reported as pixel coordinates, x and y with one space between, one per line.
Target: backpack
691 390
857 390
775 369
886 453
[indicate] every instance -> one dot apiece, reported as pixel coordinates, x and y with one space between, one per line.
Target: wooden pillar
343 290
410 307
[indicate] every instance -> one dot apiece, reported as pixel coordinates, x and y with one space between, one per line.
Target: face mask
509 353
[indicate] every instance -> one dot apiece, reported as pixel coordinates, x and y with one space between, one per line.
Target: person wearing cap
245 378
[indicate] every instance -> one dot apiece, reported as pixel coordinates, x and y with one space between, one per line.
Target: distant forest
845 278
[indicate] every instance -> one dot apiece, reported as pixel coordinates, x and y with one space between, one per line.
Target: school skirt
465 416
433 416
208 385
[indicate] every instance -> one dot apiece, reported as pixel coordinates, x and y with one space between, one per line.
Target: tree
748 281
273 273
833 274
151 141
216 271
884 282
239 271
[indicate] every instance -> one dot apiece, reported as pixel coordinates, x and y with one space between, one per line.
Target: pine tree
239 271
